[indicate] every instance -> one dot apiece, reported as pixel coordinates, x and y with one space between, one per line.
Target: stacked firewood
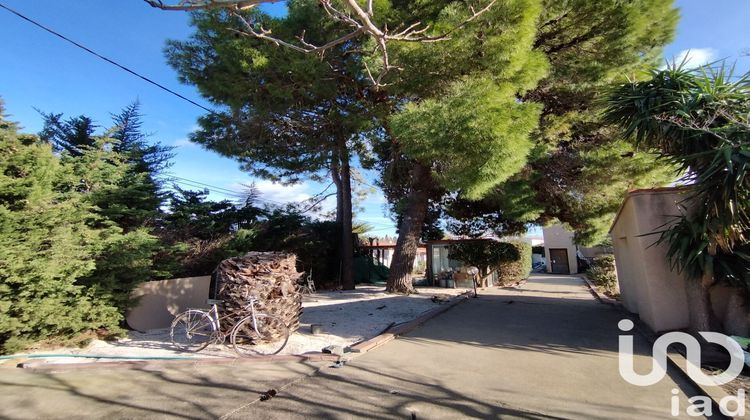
270 277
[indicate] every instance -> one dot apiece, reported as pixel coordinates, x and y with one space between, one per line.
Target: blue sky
40 71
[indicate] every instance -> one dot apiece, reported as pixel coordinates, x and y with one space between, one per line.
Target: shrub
511 260
483 253
517 269
603 273
47 244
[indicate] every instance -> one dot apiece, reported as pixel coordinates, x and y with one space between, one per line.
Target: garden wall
160 301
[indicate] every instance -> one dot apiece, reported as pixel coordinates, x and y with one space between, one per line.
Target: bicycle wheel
192 331
269 337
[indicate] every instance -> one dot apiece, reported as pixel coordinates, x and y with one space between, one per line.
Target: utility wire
218 190
90 51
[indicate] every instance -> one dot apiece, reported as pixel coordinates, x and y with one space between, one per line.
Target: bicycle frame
213 315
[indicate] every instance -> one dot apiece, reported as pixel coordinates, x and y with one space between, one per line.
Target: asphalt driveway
545 350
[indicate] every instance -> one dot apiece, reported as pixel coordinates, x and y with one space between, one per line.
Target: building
648 285
560 250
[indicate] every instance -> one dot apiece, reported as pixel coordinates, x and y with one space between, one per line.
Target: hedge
514 271
603 273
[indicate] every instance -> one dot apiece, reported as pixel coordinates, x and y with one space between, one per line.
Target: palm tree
698 120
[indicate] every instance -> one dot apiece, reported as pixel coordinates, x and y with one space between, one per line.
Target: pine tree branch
359 19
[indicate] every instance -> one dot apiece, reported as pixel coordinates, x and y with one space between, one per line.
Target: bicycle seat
214 301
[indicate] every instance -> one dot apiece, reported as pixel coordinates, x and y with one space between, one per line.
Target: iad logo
700 405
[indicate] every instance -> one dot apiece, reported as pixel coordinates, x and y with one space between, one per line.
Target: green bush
603 272
50 239
483 253
511 260
518 269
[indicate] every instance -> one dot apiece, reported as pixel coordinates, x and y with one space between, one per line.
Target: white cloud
183 143
279 193
695 57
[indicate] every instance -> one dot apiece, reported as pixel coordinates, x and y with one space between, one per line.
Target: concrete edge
715 392
135 364
674 359
359 349
403 328
599 296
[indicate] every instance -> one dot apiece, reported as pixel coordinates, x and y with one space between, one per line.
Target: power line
90 51
213 187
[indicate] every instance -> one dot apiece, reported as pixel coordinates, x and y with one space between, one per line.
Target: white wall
647 285
556 236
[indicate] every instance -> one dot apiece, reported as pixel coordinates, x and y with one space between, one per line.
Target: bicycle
255 334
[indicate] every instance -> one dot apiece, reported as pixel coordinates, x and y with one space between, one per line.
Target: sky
40 71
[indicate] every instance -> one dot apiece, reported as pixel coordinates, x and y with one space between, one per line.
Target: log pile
270 277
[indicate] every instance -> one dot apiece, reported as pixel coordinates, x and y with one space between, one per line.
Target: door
559 260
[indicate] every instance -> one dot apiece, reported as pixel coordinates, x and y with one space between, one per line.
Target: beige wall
556 236
160 301
647 284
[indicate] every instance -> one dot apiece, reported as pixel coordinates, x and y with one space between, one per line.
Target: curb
358 349
599 296
715 392
408 326
674 359
135 364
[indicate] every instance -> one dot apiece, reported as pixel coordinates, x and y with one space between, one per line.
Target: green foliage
594 42
476 136
314 243
511 260
289 112
698 121
68 135
506 210
497 45
124 261
483 253
74 208
519 269
47 243
603 273
200 233
584 186
135 200
579 168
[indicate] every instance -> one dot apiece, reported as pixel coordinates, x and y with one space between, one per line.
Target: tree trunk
410 231
700 309
336 176
347 242
341 175
736 315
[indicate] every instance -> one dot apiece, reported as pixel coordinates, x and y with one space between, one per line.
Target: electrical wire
96 54
218 190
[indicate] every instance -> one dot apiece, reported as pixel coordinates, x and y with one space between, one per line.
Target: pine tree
291 116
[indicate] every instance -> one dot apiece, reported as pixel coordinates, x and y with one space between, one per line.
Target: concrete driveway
545 350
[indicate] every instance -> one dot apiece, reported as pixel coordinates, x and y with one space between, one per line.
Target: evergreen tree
47 243
136 201
291 116
68 135
529 54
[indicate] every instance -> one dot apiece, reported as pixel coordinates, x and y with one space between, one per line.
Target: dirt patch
342 317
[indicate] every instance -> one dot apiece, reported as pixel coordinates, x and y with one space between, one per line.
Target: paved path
545 350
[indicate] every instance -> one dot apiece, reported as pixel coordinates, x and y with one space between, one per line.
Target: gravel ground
345 318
